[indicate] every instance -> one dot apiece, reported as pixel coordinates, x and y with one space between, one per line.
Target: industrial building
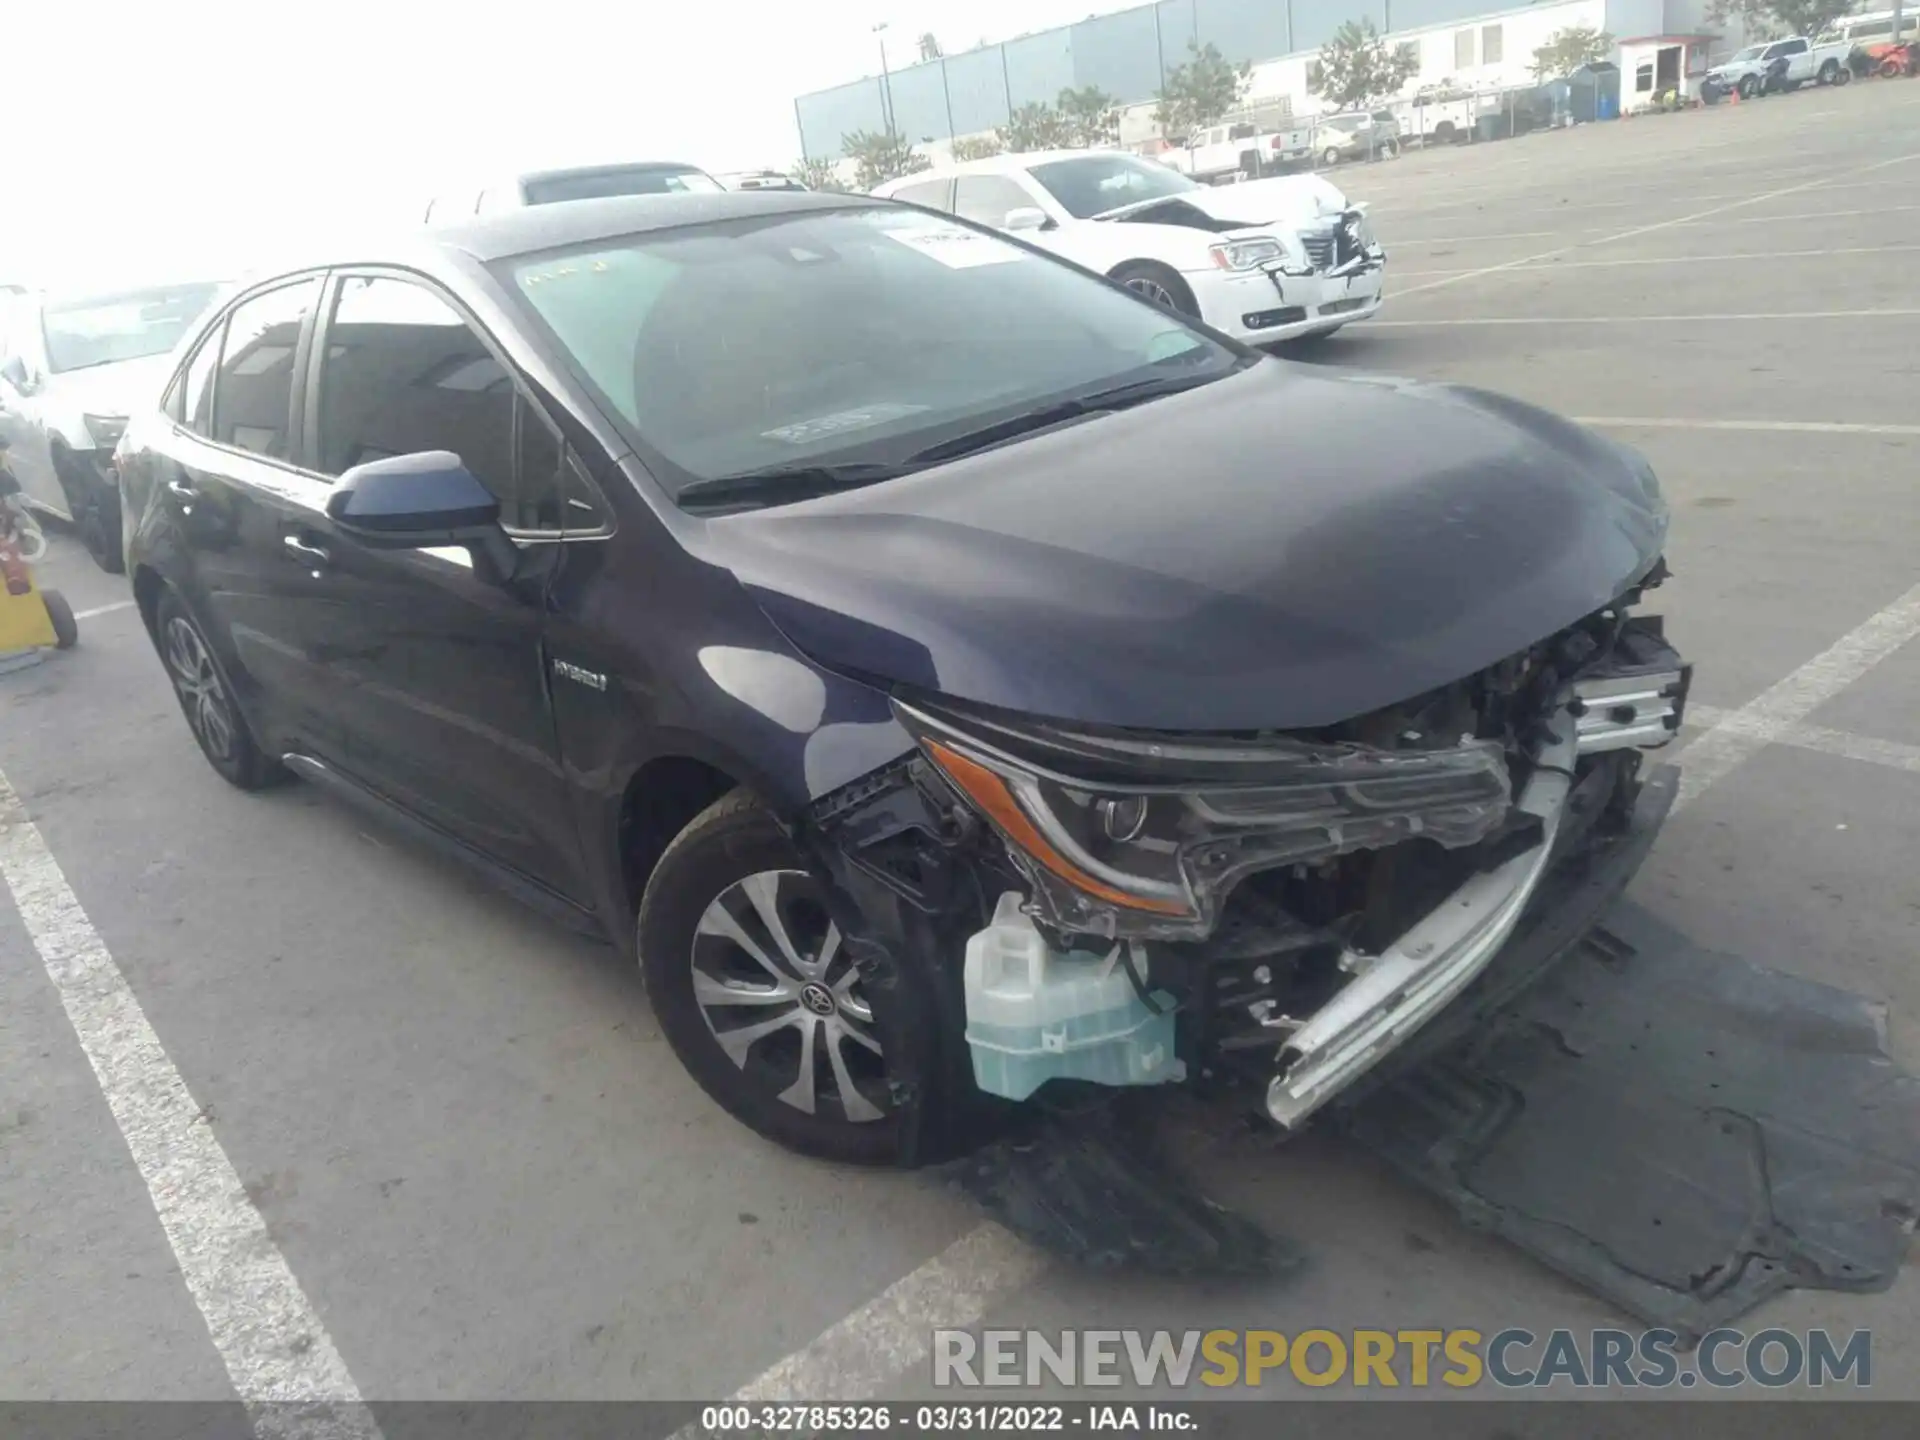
1461 44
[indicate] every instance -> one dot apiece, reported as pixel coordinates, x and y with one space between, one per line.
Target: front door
451 715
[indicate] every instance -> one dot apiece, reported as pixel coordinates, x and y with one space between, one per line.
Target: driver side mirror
419 502
14 371
1027 217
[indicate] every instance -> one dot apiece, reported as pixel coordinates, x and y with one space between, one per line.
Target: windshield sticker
954 247
820 427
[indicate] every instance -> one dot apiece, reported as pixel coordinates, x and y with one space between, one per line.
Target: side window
1796 47
254 381
931 193
986 199
404 372
196 402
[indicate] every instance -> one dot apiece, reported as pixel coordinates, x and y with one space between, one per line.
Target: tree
1357 66
930 47
881 155
1035 127
1779 17
1567 50
817 175
976 147
1092 116
1199 90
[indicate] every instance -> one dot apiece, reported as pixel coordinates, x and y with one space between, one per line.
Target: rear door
226 476
450 714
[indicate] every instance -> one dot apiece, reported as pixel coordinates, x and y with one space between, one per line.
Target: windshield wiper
783 484
1119 397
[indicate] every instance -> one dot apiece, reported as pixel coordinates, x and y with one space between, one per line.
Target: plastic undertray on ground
1681 1131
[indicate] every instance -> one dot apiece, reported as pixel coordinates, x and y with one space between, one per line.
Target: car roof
579 222
997 165
574 172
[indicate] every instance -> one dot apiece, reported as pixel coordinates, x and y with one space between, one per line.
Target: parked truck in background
1240 149
1746 70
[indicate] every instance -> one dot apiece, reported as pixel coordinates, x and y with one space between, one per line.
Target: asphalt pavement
459 1141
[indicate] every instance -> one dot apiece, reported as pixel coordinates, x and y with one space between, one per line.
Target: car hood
116 389
1281 549
1298 202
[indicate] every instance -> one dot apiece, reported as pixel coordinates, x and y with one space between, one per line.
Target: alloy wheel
1153 290
204 697
782 997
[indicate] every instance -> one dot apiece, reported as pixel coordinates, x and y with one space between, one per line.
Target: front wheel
1159 284
1829 71
95 507
1748 87
756 993
66 630
1330 156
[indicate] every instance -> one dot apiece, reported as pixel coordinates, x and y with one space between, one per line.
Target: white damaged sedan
1265 260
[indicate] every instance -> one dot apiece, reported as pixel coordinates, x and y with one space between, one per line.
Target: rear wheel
757 995
1330 155
206 699
1159 284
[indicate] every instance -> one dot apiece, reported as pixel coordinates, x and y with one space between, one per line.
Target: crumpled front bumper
1396 993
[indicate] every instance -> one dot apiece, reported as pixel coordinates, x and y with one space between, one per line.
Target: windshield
1090 185
106 329
636 180
838 336
1752 52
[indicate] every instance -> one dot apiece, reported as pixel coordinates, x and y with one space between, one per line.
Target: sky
200 138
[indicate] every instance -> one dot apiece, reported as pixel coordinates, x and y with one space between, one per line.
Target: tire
95 509
1157 283
66 630
812 1079
1748 87
1845 77
1889 69
1389 149
1445 133
205 694
1330 156
1828 70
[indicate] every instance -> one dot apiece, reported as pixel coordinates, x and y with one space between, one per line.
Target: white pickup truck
1746 70
1240 150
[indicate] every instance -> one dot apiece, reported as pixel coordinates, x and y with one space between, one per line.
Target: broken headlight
1123 835
1247 253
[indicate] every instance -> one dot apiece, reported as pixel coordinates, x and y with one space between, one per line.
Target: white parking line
892 1332
1555 266
103 609
1843 743
1797 215
1659 225
1781 427
1441 322
282 1362
1780 709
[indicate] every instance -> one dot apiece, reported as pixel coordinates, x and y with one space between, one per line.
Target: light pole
886 79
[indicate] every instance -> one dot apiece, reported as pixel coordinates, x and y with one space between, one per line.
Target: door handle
183 489
305 551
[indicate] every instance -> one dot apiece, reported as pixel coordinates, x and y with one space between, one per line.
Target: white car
1264 261
72 368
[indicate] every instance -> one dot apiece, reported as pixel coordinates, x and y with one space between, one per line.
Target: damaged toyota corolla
954 676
